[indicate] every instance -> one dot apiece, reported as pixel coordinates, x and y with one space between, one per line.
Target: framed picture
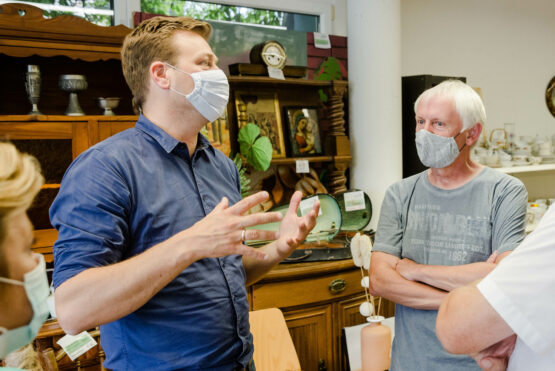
217 132
304 131
262 109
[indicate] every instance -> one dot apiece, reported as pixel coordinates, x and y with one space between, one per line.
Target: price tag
275 73
302 166
354 201
307 205
76 345
322 40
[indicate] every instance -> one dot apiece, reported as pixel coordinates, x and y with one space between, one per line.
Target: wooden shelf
50 118
526 169
289 160
263 80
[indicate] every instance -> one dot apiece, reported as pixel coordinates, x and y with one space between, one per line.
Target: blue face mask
36 287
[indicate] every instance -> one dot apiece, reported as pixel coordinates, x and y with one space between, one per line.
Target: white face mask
436 151
210 94
36 288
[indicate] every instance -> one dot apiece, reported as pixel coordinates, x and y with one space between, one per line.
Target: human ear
158 74
474 133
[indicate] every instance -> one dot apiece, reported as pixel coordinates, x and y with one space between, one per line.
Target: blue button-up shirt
128 193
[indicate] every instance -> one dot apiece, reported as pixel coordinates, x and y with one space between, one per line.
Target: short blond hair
151 41
20 181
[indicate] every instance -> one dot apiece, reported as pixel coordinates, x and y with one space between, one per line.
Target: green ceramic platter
327 225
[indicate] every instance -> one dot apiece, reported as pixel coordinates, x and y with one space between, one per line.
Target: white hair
468 103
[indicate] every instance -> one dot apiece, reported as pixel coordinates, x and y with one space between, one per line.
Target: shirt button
204 197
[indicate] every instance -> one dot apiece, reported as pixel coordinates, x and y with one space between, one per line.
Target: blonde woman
23 281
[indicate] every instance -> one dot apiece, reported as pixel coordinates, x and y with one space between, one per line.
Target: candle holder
32 87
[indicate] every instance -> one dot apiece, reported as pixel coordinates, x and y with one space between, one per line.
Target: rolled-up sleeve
520 288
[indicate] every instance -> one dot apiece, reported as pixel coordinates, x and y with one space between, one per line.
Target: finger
260 235
222 205
249 202
251 252
294 203
492 258
259 218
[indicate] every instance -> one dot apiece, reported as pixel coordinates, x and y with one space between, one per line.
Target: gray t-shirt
445 227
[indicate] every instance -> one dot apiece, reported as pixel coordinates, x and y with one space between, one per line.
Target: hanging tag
322 40
275 73
307 205
354 201
76 345
302 166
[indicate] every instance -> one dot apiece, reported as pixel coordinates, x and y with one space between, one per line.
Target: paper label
307 205
76 345
275 73
354 201
302 166
322 40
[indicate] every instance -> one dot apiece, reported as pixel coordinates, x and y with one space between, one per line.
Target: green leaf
247 136
257 149
261 154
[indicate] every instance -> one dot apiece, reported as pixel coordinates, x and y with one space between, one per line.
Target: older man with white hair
442 228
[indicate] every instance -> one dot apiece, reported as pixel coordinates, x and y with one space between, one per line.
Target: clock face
274 55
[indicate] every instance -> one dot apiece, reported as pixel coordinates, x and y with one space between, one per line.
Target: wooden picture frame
262 109
217 132
304 131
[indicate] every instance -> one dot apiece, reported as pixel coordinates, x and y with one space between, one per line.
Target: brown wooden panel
35 130
347 315
299 292
311 331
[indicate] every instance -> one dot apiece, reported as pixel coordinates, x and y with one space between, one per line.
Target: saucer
522 163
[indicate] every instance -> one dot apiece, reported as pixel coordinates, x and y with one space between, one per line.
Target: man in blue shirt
151 222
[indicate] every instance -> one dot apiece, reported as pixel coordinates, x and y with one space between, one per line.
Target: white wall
505 47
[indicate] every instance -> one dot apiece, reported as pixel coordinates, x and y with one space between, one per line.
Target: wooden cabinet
317 300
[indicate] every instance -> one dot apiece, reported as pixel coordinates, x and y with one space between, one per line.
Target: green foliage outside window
219 12
99 19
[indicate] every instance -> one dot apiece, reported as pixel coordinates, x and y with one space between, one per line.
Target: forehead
190 44
436 106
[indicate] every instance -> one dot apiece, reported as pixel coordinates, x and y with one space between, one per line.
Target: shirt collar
166 141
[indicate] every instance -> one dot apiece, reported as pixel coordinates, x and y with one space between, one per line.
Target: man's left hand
294 229
407 268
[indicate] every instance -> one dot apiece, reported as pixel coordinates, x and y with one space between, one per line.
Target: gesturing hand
294 229
222 232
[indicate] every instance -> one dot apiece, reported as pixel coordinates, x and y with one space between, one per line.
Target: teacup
521 160
506 163
535 160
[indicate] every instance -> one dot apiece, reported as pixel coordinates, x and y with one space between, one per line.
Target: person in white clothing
515 302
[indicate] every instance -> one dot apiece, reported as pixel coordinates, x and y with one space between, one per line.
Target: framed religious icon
217 132
304 131
262 109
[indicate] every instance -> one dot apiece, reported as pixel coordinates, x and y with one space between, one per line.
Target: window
99 12
236 14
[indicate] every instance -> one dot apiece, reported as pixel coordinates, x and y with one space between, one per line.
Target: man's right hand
496 357
221 232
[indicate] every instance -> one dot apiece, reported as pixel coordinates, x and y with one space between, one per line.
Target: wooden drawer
304 291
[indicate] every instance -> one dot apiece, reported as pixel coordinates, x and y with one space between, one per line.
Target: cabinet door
312 334
347 315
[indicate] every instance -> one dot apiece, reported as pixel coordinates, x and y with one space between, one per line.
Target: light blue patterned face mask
36 288
436 151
